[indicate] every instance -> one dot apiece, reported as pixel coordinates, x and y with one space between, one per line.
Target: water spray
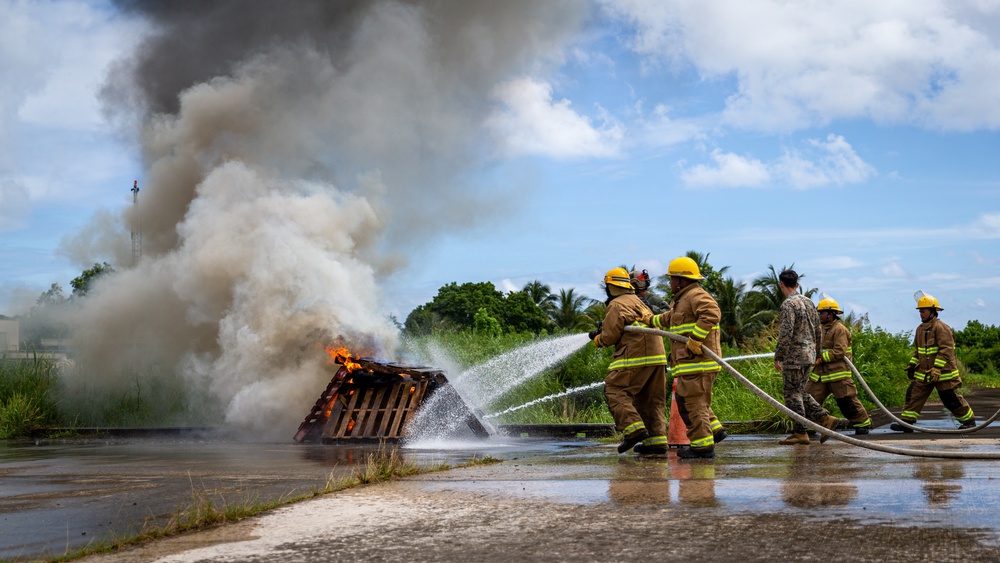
810 424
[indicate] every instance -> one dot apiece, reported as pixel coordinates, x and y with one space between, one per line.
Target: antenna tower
136 225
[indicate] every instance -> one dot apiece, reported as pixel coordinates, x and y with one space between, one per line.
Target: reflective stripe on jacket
934 347
632 349
695 314
836 346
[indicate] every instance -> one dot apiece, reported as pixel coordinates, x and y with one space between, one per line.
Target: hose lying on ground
905 424
810 424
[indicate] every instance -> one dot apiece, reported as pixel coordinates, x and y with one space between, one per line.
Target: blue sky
857 140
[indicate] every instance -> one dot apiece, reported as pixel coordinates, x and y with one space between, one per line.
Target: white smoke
280 189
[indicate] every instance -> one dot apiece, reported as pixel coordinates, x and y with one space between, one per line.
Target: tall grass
27 396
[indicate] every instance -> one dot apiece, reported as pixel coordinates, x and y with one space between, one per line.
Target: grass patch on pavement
202 512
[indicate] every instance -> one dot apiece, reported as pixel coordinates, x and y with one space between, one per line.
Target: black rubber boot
642 449
688 453
720 435
628 442
900 428
861 431
968 423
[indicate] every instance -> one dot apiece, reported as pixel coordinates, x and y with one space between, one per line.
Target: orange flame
341 355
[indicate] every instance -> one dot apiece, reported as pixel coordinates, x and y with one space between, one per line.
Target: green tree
455 308
83 283
483 323
742 315
541 294
569 310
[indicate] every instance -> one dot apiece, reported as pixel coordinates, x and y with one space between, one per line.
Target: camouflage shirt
799 334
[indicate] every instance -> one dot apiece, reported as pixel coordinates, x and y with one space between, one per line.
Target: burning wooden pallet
370 400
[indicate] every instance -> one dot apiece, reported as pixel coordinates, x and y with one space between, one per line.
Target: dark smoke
295 152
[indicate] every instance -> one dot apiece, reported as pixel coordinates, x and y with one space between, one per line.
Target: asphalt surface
547 501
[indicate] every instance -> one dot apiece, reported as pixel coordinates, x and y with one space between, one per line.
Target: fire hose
810 424
905 424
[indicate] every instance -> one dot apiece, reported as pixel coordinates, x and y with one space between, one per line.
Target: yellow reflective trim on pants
681 369
967 416
705 442
715 425
926 377
867 423
655 441
911 415
659 359
835 376
633 428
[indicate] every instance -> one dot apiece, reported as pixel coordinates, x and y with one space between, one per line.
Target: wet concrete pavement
757 501
548 501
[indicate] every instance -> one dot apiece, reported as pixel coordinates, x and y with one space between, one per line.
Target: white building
9 335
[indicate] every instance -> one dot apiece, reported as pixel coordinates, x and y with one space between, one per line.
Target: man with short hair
933 366
798 343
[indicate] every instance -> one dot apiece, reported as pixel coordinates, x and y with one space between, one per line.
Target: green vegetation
27 391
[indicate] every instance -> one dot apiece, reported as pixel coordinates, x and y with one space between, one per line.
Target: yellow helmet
829 304
619 277
685 268
926 300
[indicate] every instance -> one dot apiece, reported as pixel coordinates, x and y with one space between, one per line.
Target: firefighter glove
935 375
647 318
818 361
694 346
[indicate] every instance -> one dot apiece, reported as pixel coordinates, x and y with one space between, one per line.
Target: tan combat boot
830 422
799 438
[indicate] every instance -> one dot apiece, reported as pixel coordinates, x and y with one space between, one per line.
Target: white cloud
798 64
893 269
730 170
14 205
979 303
531 122
832 263
507 285
983 260
819 163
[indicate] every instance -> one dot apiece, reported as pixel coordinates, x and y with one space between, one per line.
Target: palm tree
541 294
742 316
568 311
769 287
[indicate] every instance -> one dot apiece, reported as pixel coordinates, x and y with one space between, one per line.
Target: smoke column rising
295 154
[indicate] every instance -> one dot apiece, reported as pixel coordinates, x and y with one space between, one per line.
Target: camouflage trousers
795 379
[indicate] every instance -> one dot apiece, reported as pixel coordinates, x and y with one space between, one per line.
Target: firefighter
640 282
636 386
695 314
830 375
933 366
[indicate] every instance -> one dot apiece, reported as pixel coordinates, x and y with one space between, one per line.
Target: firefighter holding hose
636 386
693 313
830 375
933 366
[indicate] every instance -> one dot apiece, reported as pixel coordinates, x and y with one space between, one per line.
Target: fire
341 355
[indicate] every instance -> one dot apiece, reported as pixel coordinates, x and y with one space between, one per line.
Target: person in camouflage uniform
799 339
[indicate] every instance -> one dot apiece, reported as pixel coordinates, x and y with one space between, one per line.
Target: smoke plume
295 154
